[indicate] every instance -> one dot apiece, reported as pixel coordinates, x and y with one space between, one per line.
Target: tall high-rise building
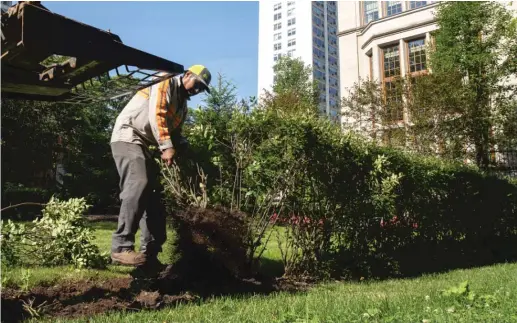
305 30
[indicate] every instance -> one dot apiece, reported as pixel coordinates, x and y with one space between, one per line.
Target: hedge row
366 210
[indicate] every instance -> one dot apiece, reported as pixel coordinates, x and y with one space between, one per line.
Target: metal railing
503 162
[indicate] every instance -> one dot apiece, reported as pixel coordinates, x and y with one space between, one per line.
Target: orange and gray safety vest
153 116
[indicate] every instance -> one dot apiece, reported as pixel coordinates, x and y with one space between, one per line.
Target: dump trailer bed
96 66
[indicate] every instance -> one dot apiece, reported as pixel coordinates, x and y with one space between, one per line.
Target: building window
333 61
393 8
290 12
333 71
392 93
276 57
318 12
291 42
416 56
278 36
417 4
371 11
318 22
278 26
291 21
319 75
333 91
395 137
333 40
291 53
319 43
290 3
291 32
278 6
332 50
278 16
370 66
331 21
318 32
319 64
333 82
278 46
391 57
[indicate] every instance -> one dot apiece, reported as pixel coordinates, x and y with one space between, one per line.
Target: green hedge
353 208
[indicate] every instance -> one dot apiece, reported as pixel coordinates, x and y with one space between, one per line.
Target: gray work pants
141 200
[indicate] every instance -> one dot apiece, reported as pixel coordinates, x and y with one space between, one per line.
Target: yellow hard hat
203 75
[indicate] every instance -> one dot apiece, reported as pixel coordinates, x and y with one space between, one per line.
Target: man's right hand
167 155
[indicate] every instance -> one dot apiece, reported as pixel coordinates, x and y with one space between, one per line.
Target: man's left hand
167 155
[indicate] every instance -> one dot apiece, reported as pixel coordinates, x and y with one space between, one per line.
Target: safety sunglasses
198 86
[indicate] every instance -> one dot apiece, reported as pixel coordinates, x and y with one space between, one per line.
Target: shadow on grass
417 259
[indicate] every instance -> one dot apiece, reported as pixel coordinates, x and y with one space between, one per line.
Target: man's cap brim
204 83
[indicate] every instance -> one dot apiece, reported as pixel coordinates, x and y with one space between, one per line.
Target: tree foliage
478 42
294 90
55 148
467 104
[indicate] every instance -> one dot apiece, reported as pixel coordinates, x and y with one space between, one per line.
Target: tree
467 104
40 139
477 42
366 110
293 91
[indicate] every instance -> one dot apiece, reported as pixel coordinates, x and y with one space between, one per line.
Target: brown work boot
128 258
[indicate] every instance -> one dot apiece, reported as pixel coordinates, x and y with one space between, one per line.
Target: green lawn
492 296
25 278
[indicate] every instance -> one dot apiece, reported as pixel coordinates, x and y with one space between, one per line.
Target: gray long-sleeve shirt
153 115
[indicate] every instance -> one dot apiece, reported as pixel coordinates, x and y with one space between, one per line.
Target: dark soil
211 238
86 298
213 262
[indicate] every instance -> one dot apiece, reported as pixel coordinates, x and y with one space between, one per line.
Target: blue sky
223 36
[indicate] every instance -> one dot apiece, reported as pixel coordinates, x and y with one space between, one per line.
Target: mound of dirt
211 243
83 299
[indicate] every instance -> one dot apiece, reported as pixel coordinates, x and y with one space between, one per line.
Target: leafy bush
350 207
59 237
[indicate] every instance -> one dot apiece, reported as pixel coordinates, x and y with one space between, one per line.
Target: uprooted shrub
212 241
59 237
349 207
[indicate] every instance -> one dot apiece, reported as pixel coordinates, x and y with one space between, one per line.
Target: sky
223 36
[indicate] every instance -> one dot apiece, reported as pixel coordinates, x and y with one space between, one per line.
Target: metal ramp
95 66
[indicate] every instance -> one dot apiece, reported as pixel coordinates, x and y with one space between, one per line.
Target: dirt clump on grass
211 249
211 244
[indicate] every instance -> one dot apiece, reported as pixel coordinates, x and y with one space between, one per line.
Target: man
154 116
